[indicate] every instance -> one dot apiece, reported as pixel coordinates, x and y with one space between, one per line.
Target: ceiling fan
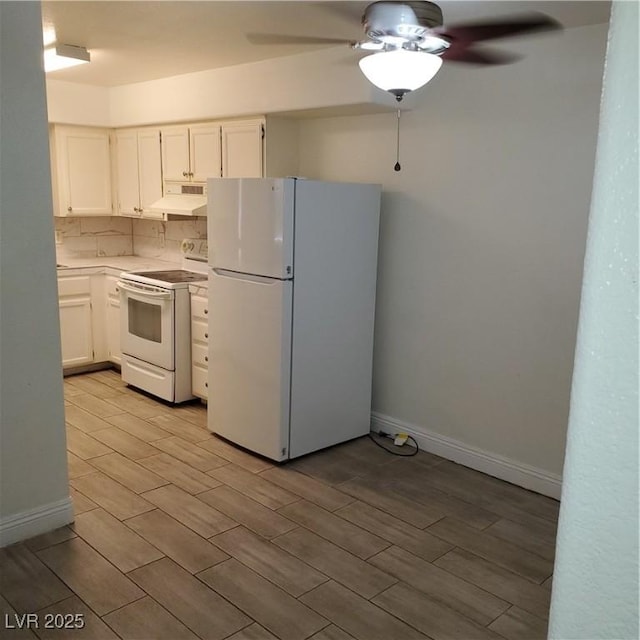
409 41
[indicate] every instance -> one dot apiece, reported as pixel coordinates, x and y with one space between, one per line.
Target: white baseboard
27 524
548 484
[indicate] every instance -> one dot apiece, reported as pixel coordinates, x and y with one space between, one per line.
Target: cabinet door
242 150
75 330
149 169
205 152
84 171
127 173
175 153
113 320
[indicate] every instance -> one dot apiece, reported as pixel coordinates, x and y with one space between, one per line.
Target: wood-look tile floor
179 534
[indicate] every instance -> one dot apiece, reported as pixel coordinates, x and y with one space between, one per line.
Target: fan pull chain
397 166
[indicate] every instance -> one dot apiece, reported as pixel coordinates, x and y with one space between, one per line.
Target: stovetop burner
172 275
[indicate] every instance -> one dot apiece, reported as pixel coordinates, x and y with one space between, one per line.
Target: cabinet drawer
199 331
74 285
199 307
199 382
200 355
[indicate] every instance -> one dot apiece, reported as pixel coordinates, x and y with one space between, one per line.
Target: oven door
147 323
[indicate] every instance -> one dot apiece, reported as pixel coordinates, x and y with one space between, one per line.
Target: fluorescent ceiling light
400 71
62 56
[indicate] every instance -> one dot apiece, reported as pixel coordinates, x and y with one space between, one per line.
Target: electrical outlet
400 439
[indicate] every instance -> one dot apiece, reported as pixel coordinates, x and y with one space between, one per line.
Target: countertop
119 263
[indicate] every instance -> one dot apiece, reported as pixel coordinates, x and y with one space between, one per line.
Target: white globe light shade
400 70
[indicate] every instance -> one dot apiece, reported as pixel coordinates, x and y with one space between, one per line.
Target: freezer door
250 225
250 361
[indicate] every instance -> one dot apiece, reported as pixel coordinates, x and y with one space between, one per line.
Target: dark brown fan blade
476 55
282 38
479 31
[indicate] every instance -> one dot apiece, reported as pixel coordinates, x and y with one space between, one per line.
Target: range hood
182 199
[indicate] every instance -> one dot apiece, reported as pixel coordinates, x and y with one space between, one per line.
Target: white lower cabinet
89 319
76 320
113 319
199 341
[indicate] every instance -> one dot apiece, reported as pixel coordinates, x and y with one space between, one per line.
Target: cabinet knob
206 358
185 174
206 311
69 209
206 335
206 384
191 174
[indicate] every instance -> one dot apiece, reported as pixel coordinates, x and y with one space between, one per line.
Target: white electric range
155 327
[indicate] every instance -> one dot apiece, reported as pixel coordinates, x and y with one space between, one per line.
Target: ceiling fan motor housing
400 22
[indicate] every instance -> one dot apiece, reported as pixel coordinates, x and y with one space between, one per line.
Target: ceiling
146 40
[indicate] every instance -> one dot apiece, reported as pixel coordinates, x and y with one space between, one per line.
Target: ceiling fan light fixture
400 71
62 56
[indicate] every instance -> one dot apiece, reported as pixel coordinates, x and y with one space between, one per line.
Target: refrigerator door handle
235 275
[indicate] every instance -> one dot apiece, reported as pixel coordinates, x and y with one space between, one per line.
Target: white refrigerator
292 284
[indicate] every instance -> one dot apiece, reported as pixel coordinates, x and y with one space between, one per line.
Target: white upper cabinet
242 149
149 169
175 153
138 171
128 196
196 152
191 153
204 152
143 160
81 171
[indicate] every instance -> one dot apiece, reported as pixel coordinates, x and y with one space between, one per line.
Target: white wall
279 85
71 103
34 495
481 247
595 585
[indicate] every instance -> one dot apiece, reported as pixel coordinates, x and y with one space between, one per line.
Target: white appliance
155 328
293 276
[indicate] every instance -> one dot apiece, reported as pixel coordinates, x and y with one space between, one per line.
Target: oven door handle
144 292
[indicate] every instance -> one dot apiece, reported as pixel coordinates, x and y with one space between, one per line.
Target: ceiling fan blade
283 38
479 31
475 55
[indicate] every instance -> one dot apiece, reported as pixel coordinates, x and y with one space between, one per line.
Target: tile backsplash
119 236
93 237
157 239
